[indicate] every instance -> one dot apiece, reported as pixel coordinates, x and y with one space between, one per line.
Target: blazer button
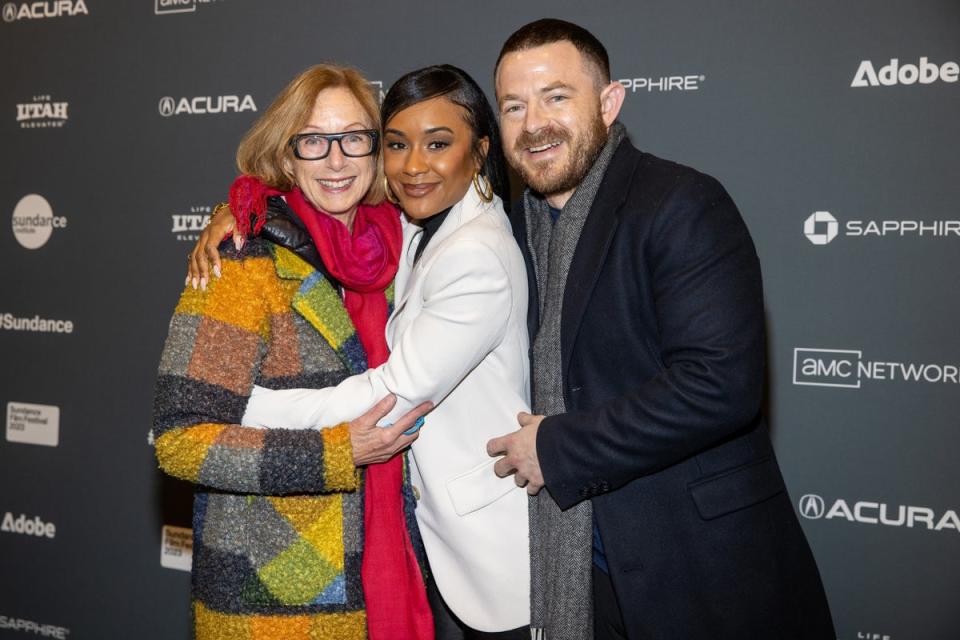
416 491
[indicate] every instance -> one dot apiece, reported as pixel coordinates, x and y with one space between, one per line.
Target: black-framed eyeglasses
353 144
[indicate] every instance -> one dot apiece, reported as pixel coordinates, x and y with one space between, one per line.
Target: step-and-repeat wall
835 126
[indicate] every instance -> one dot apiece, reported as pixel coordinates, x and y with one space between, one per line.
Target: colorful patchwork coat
278 513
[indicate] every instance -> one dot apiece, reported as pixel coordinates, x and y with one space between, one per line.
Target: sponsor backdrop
834 127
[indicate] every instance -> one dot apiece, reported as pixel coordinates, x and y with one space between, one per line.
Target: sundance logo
663 83
33 423
176 548
821 227
34 222
36 324
205 104
13 11
925 72
813 507
36 628
187 226
42 113
846 368
28 526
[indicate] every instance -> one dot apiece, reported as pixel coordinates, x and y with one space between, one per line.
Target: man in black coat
664 504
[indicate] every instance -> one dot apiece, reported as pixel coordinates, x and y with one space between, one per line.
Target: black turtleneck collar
430 226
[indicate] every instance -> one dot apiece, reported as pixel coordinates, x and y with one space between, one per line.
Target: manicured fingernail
238 242
216 270
194 283
203 283
186 281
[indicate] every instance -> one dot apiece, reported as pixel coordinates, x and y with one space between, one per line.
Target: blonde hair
265 147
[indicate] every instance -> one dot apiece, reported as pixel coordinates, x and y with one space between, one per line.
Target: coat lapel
593 245
320 305
469 207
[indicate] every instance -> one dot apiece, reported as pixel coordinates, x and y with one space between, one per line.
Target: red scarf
364 262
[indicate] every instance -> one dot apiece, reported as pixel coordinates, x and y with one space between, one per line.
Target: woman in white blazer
458 338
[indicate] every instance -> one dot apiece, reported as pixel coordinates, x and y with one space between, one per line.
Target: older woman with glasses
297 533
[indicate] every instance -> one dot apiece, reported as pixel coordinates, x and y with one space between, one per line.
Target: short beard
584 151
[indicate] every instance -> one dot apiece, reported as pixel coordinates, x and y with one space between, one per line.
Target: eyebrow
553 86
429 131
349 127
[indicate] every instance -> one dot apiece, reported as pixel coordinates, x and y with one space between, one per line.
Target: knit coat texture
278 513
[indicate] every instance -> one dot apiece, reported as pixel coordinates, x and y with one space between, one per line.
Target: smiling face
428 156
554 116
335 184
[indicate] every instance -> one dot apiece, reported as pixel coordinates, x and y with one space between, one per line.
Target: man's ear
611 101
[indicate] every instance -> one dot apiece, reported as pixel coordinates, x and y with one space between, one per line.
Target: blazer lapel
593 245
320 304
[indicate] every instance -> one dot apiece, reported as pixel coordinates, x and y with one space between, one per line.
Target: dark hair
458 87
550 30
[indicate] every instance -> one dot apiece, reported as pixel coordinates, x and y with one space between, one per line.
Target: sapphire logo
821 227
811 506
35 628
663 84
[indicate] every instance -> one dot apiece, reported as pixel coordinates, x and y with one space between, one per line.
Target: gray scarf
561 542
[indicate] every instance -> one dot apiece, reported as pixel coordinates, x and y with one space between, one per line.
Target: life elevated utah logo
187 226
848 369
42 113
13 11
893 73
199 105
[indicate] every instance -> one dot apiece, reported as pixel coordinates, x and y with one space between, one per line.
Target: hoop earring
485 192
388 194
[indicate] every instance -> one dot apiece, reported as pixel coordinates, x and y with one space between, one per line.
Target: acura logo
9 12
820 217
166 106
811 506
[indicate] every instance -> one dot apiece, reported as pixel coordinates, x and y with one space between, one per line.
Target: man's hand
519 451
205 252
373 444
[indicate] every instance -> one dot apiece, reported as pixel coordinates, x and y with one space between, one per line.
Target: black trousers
607 618
448 627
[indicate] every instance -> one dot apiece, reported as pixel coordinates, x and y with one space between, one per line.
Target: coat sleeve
708 300
466 304
216 342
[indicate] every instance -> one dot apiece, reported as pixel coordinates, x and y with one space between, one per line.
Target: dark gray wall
766 105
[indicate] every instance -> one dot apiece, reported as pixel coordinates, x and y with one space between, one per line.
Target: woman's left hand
373 444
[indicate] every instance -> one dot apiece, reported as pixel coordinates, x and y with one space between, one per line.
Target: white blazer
458 337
